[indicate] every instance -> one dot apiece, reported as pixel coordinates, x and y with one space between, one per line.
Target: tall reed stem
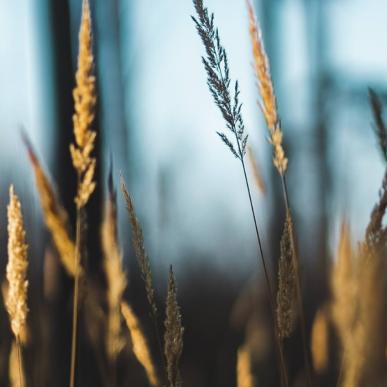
284 375
75 297
298 285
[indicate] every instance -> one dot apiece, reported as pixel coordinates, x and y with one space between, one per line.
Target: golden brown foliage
115 275
268 102
55 216
245 377
84 101
140 345
320 341
16 375
16 301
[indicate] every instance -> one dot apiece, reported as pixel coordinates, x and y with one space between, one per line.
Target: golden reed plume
245 377
84 100
16 301
55 216
115 275
268 102
140 345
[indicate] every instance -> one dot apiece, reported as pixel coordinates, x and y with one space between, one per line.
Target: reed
219 83
268 106
54 214
143 263
115 276
81 154
139 344
16 300
173 337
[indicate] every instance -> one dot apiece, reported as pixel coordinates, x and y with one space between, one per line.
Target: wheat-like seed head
84 101
140 345
16 301
139 250
115 276
173 337
245 376
286 295
268 102
55 216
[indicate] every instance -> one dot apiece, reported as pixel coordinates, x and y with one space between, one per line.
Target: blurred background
157 122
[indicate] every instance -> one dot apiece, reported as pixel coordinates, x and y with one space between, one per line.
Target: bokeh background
157 123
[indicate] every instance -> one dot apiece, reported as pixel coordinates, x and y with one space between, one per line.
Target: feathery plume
268 102
140 345
55 216
85 101
380 127
115 276
219 82
256 170
173 337
139 250
245 376
286 295
319 341
16 301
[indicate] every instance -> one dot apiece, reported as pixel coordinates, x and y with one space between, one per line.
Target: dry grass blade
139 250
140 345
16 375
256 170
286 295
245 376
380 127
55 216
268 104
320 341
173 337
115 275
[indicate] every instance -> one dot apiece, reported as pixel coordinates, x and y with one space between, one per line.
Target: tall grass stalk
270 112
218 81
81 153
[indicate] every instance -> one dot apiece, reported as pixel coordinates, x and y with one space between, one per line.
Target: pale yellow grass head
16 301
84 104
